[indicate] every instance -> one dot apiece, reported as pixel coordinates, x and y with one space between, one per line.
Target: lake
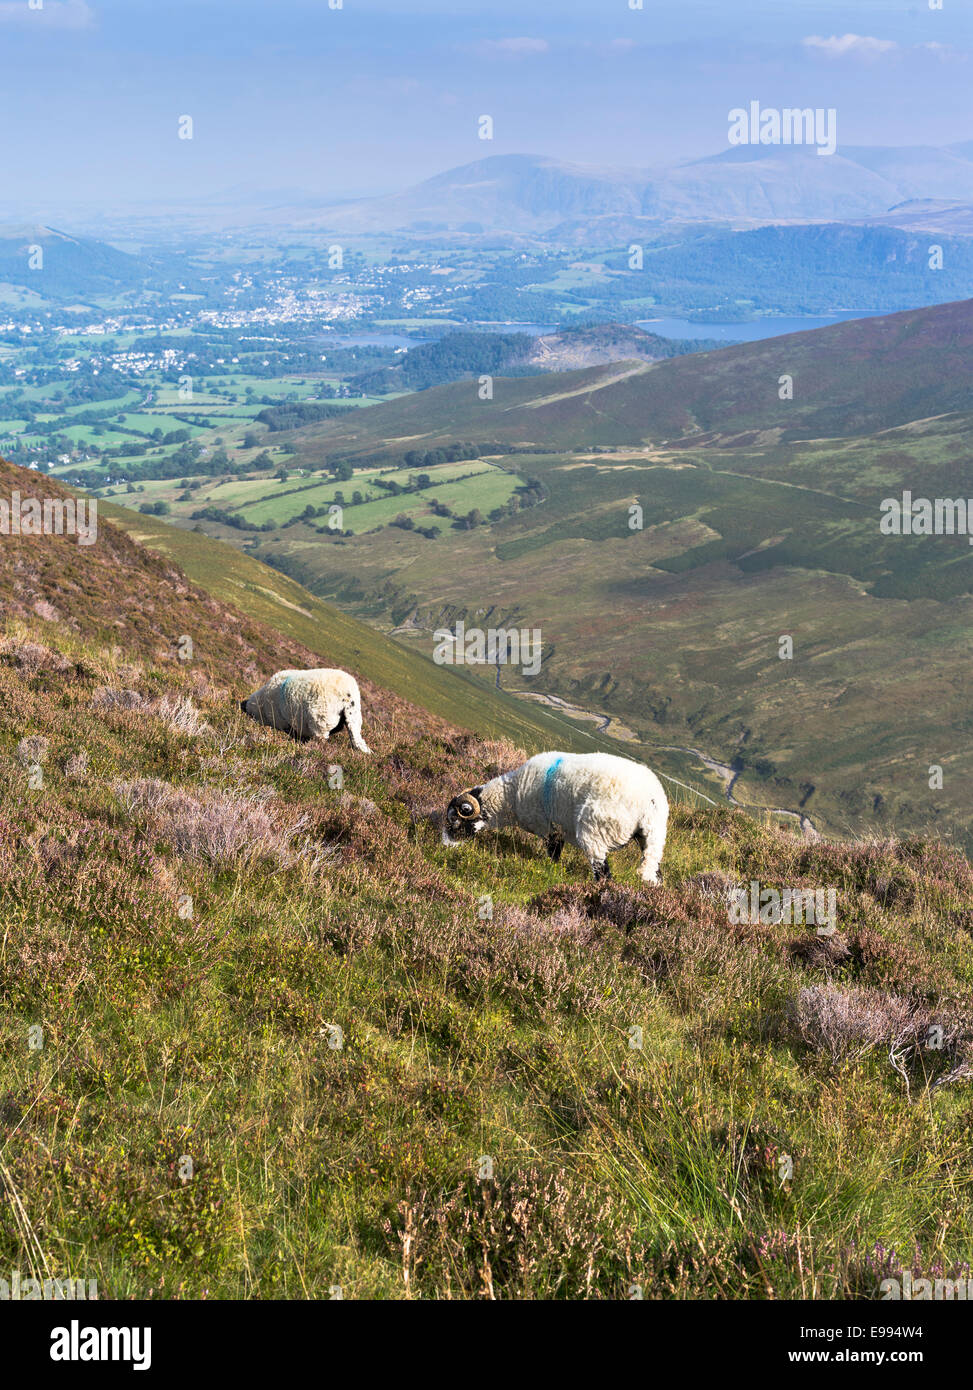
665 328
743 332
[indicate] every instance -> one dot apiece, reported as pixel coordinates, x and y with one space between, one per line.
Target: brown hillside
117 592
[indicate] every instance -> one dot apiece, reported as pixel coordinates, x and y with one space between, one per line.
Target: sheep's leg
602 870
555 844
594 845
651 840
353 720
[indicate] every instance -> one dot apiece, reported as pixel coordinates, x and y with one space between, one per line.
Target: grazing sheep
592 800
309 704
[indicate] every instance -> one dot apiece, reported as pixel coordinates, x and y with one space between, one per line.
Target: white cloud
849 46
513 48
54 14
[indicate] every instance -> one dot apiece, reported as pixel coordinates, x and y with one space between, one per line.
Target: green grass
187 1130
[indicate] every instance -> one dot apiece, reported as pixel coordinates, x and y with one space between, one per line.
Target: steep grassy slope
262 1035
282 604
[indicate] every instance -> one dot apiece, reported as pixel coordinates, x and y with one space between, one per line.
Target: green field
463 487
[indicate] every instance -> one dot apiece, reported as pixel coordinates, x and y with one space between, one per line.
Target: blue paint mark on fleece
548 790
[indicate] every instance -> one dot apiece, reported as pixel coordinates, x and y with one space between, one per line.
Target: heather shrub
209 824
847 1023
33 657
108 698
33 749
179 714
530 1235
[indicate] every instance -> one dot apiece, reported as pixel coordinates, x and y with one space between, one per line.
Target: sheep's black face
464 818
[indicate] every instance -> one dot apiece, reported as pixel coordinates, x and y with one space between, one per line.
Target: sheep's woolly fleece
309 704
595 801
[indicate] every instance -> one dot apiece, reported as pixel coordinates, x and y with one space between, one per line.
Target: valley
665 561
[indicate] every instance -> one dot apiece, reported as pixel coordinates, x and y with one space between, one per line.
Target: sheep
309 704
595 801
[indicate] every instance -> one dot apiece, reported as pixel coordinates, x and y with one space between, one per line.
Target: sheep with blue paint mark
595 801
309 704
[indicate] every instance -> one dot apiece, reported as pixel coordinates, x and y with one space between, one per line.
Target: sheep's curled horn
467 799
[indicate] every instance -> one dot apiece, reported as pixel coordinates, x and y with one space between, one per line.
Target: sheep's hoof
603 872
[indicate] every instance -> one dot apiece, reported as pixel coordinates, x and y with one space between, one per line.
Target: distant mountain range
524 193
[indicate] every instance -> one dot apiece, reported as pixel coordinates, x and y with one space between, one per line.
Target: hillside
945 216
261 1035
921 361
287 608
811 269
458 355
68 267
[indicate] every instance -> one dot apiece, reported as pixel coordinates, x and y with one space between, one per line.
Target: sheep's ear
476 791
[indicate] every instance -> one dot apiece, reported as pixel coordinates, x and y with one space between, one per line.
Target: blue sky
381 93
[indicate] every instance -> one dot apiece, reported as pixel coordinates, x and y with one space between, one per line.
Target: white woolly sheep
309 704
594 801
